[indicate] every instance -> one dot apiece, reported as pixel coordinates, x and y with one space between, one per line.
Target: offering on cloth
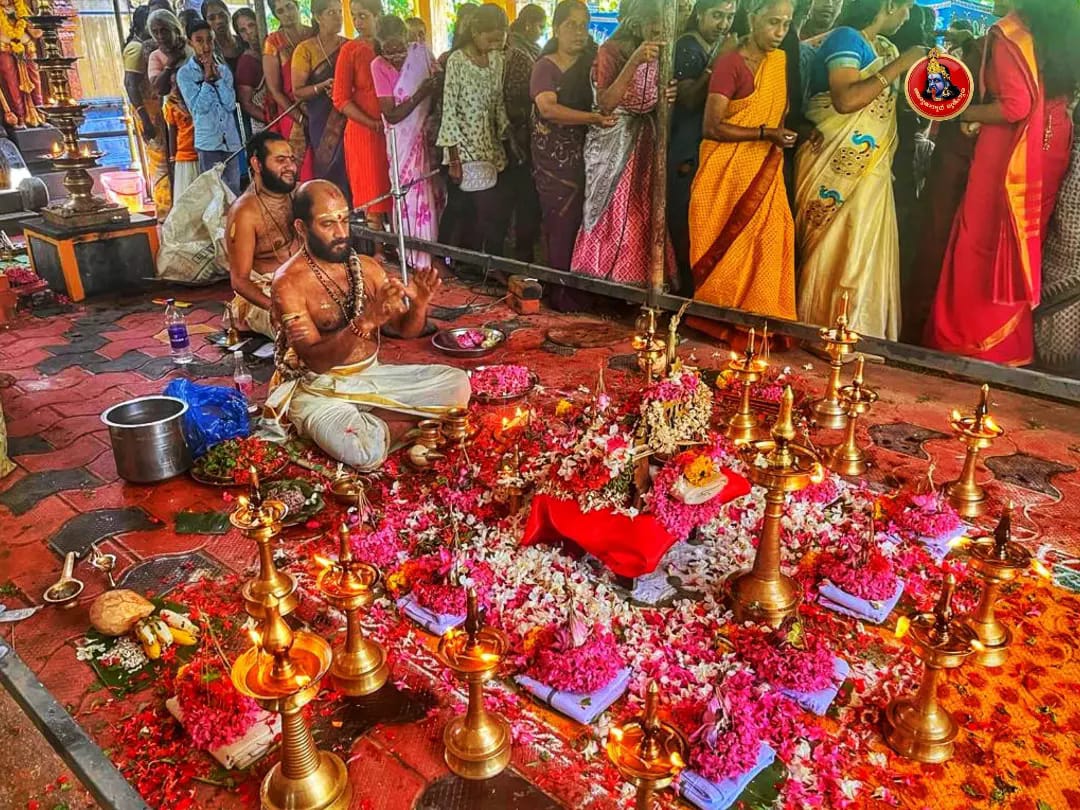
788 657
720 795
925 516
582 707
435 623
247 750
868 610
818 701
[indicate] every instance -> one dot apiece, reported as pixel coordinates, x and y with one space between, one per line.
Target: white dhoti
334 409
250 317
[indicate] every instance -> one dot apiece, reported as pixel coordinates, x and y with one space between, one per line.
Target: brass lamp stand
744 425
996 562
261 521
82 208
648 752
828 412
920 728
977 431
764 594
282 673
360 666
651 350
478 743
847 458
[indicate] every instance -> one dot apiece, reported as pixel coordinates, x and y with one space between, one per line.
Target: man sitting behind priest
259 232
331 304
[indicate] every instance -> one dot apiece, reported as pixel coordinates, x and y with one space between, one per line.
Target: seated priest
259 232
331 304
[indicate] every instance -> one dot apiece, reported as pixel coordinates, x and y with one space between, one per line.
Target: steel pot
147 441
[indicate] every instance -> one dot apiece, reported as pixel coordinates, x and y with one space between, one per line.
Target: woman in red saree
991 277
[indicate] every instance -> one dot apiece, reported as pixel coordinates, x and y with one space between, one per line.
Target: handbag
478 175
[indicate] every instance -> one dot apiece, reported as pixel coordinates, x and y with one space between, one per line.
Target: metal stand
399 200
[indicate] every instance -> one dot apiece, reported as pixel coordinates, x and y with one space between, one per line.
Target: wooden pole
663 131
260 18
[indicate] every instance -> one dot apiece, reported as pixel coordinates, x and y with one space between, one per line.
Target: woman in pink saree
616 231
404 79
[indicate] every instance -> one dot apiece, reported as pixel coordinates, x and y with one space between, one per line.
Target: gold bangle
883 80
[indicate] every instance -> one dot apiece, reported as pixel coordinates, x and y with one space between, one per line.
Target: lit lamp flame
677 761
978 646
1039 568
302 680
323 562
487 657
990 424
956 415
960 542
255 637
616 734
903 624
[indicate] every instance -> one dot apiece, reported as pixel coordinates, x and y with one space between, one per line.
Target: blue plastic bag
215 413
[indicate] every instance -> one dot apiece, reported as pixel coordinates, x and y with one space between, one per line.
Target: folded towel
819 702
707 795
869 611
581 707
938 547
435 623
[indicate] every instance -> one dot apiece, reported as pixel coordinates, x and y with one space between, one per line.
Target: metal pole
119 18
399 201
79 752
659 179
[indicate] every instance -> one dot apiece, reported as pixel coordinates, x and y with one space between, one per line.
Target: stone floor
59 372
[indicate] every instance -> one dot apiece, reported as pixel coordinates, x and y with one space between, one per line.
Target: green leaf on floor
764 789
202 522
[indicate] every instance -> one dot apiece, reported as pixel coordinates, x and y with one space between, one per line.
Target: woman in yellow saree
742 238
845 213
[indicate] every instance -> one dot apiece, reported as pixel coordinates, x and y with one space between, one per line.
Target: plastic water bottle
241 376
179 341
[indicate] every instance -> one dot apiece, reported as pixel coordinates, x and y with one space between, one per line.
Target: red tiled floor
71 428
82 453
387 783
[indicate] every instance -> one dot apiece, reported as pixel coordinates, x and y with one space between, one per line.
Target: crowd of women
797 171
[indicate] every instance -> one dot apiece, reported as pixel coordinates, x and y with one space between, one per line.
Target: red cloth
630 547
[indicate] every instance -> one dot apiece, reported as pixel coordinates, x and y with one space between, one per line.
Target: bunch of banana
155 633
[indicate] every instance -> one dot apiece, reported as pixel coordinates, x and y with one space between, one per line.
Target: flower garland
558 663
676 411
597 470
215 714
15 32
788 658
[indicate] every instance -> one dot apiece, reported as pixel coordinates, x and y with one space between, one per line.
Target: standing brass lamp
977 431
847 458
651 351
764 594
648 752
478 743
996 562
82 208
360 666
281 673
829 412
920 728
744 425
261 520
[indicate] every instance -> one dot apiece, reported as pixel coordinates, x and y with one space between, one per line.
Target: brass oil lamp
747 368
763 594
360 666
847 458
261 520
282 673
920 728
652 351
996 562
977 431
477 743
648 752
829 412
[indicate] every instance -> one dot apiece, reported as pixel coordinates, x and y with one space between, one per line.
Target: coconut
114 613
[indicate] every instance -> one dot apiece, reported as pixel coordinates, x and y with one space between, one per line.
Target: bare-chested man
331 305
259 233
